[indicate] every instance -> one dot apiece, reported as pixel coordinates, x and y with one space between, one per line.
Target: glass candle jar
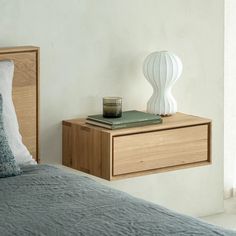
112 107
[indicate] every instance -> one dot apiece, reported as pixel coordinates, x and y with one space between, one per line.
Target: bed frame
26 93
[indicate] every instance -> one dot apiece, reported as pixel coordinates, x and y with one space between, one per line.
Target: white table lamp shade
162 69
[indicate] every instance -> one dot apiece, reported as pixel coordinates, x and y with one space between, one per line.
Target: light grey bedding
45 200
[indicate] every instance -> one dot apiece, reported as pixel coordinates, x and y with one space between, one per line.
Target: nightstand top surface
176 121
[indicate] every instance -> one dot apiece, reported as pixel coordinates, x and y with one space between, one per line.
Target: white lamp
162 69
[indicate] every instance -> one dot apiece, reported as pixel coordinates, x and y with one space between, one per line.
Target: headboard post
25 92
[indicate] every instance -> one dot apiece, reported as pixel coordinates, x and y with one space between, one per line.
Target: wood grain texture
160 170
67 147
26 93
159 149
175 121
106 155
182 141
86 150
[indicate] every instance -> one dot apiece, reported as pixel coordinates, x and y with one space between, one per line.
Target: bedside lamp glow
162 69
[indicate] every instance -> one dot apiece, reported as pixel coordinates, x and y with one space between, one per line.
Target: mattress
46 200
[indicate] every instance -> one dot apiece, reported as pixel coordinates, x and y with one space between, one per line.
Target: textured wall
91 49
230 98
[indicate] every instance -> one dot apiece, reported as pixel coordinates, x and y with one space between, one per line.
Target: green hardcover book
128 119
126 125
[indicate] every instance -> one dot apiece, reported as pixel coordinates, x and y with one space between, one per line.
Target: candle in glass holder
112 107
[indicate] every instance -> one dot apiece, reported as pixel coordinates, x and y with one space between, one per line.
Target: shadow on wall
50 142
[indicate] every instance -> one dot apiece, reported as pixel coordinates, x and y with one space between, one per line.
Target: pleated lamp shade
162 69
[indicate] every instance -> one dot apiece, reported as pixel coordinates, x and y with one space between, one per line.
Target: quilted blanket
46 200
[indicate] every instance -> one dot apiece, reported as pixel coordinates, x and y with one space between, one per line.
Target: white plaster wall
230 98
91 49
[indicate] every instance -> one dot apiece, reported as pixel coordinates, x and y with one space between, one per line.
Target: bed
46 200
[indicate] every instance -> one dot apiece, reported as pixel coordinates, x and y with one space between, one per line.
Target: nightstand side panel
80 148
67 145
106 156
91 151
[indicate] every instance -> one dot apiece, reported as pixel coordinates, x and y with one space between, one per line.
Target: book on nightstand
129 119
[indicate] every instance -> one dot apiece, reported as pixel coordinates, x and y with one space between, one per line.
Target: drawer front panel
153 150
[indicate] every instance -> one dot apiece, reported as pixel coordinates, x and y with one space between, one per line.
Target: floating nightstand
181 141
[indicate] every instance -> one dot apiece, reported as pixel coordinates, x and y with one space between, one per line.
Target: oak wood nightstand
181 141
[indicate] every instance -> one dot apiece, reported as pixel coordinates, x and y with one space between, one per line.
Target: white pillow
21 153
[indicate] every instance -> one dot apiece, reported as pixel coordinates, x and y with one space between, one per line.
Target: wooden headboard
26 93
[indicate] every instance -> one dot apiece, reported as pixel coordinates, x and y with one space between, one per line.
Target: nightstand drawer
154 150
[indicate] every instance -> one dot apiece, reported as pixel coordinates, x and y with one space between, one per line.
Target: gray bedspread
45 200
